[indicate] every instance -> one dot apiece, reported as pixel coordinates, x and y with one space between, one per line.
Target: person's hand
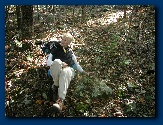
86 73
64 65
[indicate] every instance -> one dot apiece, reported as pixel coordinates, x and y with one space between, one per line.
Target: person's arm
78 67
49 60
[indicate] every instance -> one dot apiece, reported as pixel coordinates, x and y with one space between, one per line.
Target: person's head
67 38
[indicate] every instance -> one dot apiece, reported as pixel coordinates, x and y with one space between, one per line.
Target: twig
140 35
13 67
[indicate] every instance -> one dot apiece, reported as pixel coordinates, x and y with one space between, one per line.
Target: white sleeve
49 60
79 68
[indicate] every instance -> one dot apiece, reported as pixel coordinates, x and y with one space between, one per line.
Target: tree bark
19 17
27 22
125 8
83 14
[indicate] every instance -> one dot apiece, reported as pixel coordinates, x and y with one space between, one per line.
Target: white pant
61 77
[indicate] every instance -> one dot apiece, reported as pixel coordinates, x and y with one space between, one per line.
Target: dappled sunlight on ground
107 19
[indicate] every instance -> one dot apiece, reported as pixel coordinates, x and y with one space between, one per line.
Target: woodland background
114 43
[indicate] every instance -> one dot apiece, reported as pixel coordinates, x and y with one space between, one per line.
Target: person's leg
66 76
55 70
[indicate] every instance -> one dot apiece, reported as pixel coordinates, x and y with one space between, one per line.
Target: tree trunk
19 17
38 16
73 15
125 8
27 22
83 14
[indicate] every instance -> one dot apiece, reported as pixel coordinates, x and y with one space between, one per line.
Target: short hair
69 37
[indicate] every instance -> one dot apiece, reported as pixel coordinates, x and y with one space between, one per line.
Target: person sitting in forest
62 62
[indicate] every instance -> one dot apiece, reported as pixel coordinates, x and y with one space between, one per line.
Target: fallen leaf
39 101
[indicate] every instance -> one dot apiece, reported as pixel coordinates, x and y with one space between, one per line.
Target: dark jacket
58 53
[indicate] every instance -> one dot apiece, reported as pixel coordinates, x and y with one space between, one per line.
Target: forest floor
118 53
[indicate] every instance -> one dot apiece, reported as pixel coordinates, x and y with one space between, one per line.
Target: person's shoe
58 105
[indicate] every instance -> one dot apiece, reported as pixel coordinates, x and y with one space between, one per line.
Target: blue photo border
73 121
